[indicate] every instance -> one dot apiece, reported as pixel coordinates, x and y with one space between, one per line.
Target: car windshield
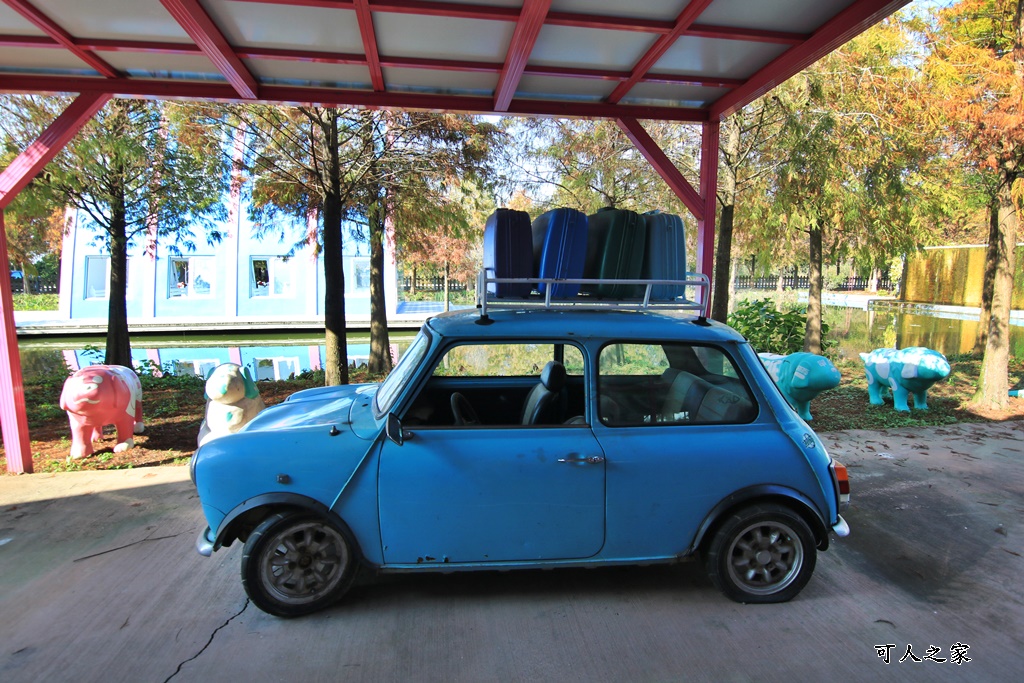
392 387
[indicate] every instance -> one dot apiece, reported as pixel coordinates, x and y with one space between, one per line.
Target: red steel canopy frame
692 61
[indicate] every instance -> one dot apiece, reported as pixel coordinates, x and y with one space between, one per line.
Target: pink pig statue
101 395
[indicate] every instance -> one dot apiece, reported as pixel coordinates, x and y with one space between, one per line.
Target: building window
271 276
197 368
277 368
97 276
191 277
357 274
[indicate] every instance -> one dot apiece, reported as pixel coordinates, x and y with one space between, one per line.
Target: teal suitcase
616 244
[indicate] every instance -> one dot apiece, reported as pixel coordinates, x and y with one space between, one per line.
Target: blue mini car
526 438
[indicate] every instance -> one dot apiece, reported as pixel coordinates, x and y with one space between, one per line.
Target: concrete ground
99 582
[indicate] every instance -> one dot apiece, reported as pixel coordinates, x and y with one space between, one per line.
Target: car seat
543 403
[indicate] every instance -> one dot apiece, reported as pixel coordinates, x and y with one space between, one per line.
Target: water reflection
857 331
268 357
279 356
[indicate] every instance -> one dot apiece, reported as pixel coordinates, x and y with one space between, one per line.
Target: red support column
12 392
709 195
12 180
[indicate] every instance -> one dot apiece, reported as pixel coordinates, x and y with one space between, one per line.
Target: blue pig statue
801 377
909 371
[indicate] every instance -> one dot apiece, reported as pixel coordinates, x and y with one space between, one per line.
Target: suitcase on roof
615 251
508 252
665 255
560 249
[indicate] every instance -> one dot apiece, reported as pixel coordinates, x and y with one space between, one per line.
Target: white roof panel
798 16
139 19
716 58
590 48
407 35
466 55
312 74
314 28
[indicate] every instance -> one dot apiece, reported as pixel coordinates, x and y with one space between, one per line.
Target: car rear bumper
841 528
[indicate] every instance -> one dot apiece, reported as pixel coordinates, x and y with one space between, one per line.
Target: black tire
295 563
761 554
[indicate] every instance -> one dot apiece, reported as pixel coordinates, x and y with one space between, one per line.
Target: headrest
553 376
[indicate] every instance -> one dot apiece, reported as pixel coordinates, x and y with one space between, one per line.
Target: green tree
851 170
420 161
310 162
138 170
448 235
590 164
746 161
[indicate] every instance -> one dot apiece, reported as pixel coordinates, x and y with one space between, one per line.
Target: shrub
770 330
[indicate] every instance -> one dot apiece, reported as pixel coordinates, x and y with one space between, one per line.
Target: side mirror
393 429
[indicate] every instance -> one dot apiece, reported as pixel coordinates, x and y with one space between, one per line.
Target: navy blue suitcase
615 250
665 257
508 252
560 249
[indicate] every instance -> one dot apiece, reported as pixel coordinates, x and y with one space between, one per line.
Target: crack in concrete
208 642
129 545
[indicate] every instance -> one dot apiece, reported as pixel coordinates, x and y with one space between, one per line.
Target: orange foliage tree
976 68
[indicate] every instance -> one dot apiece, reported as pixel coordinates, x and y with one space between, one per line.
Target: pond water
857 331
268 356
280 355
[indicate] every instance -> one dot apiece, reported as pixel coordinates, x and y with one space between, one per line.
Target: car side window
648 383
504 384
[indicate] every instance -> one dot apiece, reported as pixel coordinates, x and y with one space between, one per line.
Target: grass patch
35 302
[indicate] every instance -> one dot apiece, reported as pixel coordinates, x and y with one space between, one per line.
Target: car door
491 492
681 431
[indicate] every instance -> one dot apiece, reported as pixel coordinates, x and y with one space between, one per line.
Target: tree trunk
447 298
336 352
991 259
993 383
873 281
812 336
730 151
380 345
119 350
733 270
723 260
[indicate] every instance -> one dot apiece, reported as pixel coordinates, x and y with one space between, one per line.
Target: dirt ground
173 415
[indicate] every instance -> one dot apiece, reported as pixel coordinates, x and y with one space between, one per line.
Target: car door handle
577 459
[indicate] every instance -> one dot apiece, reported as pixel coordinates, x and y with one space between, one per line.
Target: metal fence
432 284
850 284
34 285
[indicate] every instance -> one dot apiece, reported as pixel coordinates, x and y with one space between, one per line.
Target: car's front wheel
295 563
762 553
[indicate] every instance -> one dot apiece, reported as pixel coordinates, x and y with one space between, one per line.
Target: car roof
533 323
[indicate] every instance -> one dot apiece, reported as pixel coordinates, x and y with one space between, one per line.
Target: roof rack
698 281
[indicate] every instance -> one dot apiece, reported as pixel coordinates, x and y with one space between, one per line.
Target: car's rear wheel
762 553
296 563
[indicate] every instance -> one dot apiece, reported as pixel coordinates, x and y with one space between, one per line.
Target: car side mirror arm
393 430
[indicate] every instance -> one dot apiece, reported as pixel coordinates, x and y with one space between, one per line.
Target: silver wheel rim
765 557
303 562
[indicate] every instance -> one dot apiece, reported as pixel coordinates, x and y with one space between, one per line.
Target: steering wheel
465 414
